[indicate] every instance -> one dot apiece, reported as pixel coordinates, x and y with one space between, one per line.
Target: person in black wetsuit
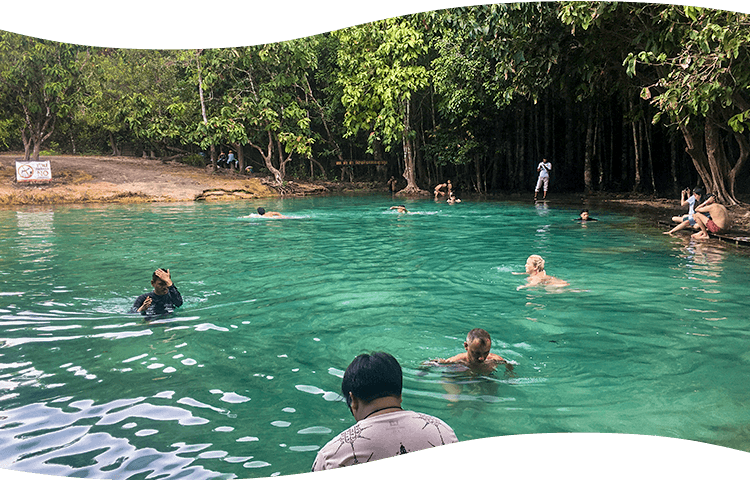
164 299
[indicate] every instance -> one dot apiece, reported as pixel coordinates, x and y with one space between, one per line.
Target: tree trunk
409 158
637 157
587 157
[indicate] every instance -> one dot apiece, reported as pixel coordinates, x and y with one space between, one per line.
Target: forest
621 97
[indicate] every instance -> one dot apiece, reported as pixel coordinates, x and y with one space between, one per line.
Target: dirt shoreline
103 179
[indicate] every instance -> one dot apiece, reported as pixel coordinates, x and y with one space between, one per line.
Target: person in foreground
372 387
538 276
713 218
164 299
477 357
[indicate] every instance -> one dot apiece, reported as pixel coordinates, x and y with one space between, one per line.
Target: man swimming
264 213
399 209
477 356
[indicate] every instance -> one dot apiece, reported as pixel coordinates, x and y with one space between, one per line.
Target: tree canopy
623 97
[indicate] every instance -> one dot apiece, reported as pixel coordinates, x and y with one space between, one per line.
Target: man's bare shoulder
460 358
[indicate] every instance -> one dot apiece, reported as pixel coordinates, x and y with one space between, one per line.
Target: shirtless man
263 213
439 190
399 208
477 357
712 218
538 276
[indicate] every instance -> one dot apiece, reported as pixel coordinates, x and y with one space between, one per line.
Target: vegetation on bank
620 96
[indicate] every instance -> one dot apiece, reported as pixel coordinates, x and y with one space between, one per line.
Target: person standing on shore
544 168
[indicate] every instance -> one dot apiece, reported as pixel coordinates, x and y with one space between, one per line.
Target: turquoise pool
650 338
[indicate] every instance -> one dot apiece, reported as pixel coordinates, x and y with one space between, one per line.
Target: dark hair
372 376
154 276
478 334
585 210
261 211
698 191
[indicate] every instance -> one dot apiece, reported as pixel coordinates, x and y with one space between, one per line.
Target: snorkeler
164 299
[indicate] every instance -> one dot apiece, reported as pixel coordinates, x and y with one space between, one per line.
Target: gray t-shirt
384 436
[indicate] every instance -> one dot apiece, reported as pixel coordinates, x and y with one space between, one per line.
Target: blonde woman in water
537 275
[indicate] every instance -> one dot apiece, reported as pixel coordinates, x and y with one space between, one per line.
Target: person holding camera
689 219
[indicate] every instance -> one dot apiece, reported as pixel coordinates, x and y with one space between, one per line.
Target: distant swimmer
538 276
452 199
584 217
263 213
164 299
477 357
399 209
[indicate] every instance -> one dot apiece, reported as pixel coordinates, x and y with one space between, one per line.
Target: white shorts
542 180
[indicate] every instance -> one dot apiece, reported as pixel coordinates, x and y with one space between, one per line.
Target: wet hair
261 211
478 334
372 376
585 210
155 277
538 262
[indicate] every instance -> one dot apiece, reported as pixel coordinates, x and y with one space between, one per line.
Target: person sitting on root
689 219
713 218
439 190
538 276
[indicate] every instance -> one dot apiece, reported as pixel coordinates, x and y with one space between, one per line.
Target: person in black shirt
164 299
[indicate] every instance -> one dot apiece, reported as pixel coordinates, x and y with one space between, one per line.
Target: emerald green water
650 338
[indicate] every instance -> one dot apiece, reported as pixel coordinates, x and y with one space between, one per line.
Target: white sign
33 171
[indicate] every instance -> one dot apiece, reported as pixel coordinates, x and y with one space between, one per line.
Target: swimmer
399 209
537 275
584 217
477 357
164 299
263 213
452 199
